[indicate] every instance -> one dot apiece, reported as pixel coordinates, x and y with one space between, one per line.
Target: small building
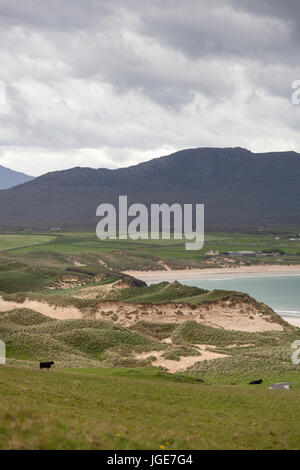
240 253
212 253
265 254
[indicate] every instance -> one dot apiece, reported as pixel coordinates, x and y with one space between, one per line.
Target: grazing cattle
46 365
256 382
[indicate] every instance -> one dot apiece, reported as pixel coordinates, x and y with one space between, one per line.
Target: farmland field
148 252
10 242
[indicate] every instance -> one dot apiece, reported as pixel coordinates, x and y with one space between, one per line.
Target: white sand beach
214 273
222 273
292 320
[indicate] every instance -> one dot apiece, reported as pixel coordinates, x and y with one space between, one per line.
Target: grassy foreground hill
102 395
141 409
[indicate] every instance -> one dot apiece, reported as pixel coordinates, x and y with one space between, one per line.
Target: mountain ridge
237 186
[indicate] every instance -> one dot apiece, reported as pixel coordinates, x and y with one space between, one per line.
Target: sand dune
241 317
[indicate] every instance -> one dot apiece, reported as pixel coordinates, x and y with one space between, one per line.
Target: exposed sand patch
166 341
121 284
239 345
77 263
240 317
183 363
52 311
164 265
102 263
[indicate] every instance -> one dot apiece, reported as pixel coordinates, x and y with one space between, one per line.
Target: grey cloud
56 15
130 77
214 28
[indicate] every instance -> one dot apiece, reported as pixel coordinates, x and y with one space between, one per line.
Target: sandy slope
53 311
241 316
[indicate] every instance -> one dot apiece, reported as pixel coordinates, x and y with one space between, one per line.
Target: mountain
10 178
239 189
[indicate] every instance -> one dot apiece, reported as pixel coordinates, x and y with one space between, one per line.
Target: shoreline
223 273
214 273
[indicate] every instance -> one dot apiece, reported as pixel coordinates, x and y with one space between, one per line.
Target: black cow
256 382
46 365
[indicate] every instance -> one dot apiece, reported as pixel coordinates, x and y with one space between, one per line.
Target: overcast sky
113 83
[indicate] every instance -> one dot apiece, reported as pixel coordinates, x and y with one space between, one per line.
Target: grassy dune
31 337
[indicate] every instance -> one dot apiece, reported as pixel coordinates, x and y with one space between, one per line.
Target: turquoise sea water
282 293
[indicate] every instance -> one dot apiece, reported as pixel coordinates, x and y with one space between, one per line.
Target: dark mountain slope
238 188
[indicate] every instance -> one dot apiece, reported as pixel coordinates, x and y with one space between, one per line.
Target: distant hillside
10 178
238 188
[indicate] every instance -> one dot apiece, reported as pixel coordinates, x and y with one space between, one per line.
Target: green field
145 254
11 242
141 409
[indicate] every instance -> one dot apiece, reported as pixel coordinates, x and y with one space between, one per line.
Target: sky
113 83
